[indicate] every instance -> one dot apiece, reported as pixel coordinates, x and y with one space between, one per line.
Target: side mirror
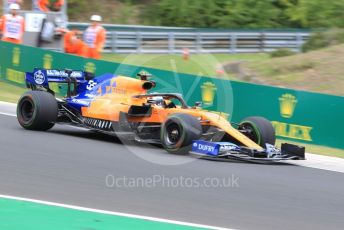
198 104
89 76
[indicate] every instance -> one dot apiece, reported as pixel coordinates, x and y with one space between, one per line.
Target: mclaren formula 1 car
122 106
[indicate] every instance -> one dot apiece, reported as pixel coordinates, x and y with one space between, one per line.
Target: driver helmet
156 100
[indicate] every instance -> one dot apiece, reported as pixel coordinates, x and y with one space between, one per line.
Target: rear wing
40 78
44 76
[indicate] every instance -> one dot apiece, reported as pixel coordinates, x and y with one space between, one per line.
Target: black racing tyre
37 110
259 130
178 132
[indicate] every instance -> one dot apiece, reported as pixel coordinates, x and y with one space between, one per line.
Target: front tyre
178 132
37 110
259 130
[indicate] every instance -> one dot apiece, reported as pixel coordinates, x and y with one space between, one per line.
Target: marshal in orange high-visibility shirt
72 42
74 45
12 25
43 5
47 5
94 37
81 48
68 41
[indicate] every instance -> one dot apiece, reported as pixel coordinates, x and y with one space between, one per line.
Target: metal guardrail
209 42
145 39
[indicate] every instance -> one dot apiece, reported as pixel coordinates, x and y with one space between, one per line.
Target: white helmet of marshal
14 6
96 18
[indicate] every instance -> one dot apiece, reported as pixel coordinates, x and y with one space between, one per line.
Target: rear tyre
178 132
37 110
259 130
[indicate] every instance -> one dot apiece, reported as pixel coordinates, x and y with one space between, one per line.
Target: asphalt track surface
70 166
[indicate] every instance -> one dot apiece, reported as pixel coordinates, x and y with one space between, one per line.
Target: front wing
226 151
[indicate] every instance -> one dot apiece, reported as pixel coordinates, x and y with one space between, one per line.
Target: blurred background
289 43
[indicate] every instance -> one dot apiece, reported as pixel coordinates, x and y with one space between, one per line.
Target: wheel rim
26 110
173 134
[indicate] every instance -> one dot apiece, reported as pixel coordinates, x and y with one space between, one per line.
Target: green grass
318 71
10 93
198 64
316 149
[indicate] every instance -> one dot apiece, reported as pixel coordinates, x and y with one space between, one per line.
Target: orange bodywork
119 96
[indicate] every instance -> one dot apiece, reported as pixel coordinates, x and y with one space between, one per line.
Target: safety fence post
114 41
138 42
233 43
199 45
299 42
171 43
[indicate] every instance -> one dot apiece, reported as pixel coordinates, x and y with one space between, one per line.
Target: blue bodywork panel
212 148
42 77
86 90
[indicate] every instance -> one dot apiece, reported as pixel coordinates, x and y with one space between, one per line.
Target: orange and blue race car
121 106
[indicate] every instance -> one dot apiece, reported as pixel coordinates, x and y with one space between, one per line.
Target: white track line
148 218
8 109
334 164
8 114
7 103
